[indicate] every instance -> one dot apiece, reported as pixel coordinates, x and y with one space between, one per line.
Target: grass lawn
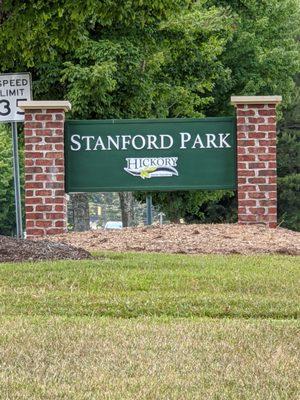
151 326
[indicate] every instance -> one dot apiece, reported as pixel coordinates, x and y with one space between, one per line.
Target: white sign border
30 89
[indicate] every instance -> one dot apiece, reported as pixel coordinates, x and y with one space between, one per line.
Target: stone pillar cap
45 104
235 100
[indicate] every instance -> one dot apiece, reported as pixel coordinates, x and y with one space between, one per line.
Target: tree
121 59
126 202
79 204
263 55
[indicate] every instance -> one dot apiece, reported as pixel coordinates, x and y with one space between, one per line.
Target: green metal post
149 209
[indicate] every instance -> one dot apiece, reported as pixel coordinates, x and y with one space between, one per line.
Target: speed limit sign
13 89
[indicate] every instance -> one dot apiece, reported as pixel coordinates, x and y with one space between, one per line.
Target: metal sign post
18 205
149 209
15 87
161 215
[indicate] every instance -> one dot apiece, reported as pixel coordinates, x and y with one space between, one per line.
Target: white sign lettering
149 142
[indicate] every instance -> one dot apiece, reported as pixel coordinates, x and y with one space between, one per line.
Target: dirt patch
190 239
12 249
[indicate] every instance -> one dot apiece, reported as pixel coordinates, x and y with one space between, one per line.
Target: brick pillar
45 198
256 159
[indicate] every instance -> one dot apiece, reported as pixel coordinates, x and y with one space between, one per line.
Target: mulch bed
12 249
190 239
173 238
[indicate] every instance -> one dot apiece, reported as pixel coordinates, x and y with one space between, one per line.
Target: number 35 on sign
13 89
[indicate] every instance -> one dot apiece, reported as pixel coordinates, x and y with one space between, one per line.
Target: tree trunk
126 203
81 213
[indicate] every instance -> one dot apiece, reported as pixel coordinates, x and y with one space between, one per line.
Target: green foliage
7 202
289 201
164 69
288 153
263 55
292 113
34 32
193 206
7 212
289 179
216 210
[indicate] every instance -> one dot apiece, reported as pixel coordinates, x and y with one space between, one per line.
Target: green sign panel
160 154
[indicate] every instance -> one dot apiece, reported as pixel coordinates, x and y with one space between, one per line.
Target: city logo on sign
146 168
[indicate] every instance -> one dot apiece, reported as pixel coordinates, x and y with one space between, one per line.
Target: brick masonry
256 163
45 198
